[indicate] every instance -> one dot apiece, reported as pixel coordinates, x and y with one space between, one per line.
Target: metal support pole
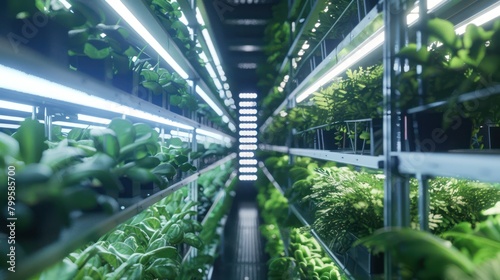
48 124
423 202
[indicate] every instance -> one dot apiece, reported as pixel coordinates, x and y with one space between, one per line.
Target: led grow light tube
247 177
13 126
209 101
15 106
127 15
93 119
20 81
246 154
10 118
209 134
361 51
77 125
246 95
378 38
248 161
479 19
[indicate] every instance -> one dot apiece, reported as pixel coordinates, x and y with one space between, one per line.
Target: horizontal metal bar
483 167
375 162
270 177
272 148
475 95
92 226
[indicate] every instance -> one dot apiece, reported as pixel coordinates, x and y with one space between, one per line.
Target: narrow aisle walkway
243 256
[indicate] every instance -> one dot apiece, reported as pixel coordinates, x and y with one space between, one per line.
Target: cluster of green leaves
197 267
144 247
209 184
473 254
277 41
461 64
348 202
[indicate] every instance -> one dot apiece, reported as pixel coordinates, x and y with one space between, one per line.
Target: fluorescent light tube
209 133
247 125
248 111
248 118
218 84
10 118
127 15
248 169
248 104
209 101
248 161
16 80
480 18
210 46
232 127
361 51
93 119
12 105
248 147
247 177
78 125
248 140
248 132
247 154
13 126
245 95
211 72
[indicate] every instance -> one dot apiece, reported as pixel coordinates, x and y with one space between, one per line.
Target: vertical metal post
396 199
48 124
423 202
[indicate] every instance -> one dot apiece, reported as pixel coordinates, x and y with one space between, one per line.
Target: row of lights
248 136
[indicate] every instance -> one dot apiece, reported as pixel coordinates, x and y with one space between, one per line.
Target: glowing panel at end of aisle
248 118
248 104
247 125
248 140
247 177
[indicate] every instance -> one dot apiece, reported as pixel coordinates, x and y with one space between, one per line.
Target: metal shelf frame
90 227
144 15
34 64
306 223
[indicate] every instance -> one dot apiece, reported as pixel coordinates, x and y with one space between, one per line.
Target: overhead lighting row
377 39
129 17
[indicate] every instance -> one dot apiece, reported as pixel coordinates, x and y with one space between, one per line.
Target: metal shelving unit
90 227
397 163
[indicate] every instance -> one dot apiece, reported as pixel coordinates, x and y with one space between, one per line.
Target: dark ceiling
239 33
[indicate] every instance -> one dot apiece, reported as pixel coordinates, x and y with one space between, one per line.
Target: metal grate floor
243 257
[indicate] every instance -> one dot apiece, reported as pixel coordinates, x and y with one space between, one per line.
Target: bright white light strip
247 154
372 43
16 80
10 118
412 17
248 132
485 16
125 13
14 126
248 147
211 72
232 127
247 118
209 101
246 95
247 177
248 169
248 111
12 105
247 125
78 125
248 140
248 161
199 18
93 119
183 19
65 4
181 134
248 104
211 47
209 133
218 84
